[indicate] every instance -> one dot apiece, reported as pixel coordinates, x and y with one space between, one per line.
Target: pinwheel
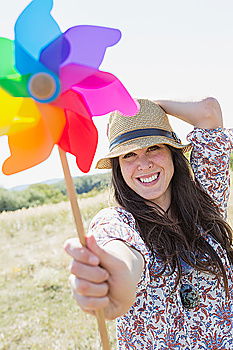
52 83
51 87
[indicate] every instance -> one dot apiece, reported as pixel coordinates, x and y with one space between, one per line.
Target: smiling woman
161 260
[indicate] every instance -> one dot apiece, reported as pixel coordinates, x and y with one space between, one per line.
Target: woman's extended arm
104 278
205 114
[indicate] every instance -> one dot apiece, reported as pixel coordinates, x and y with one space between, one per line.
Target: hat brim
133 145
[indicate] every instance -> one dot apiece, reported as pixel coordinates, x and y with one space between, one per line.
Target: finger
73 247
95 248
88 289
94 274
91 304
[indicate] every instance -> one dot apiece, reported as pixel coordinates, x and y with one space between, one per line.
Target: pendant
189 296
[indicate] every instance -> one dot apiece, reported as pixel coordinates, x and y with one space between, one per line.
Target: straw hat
147 128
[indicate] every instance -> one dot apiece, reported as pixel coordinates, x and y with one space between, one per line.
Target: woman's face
148 172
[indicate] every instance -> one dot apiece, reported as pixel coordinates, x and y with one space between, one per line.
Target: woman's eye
128 155
153 148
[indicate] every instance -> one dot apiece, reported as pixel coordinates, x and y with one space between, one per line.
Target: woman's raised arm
205 114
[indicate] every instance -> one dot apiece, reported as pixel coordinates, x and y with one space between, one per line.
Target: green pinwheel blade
7 60
10 80
16 86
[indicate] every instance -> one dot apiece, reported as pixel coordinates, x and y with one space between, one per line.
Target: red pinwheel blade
80 138
35 28
85 45
72 101
102 91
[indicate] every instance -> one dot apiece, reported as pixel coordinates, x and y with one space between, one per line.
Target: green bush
33 196
87 183
39 194
11 200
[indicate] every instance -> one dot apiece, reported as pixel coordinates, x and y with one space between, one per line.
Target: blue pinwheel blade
35 28
84 45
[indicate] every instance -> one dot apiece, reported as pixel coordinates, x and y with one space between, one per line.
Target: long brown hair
195 213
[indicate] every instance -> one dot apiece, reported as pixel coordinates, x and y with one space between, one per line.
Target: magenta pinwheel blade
35 28
85 45
102 91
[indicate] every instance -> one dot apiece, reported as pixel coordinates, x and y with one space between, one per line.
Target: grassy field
37 311
36 307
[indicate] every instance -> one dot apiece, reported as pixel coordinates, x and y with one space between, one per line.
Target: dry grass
36 309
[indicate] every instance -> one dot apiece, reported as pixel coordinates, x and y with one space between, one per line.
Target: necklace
189 295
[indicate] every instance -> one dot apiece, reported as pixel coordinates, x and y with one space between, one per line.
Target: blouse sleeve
210 159
117 224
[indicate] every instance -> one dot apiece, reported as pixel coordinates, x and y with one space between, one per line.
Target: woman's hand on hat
102 278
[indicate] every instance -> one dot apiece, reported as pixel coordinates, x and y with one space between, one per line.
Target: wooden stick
81 234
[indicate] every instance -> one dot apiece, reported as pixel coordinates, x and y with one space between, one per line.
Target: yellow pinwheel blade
17 113
31 147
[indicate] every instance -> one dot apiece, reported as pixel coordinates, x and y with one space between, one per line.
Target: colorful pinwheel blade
102 91
84 45
35 28
7 58
16 86
10 80
25 63
31 147
16 114
80 138
73 101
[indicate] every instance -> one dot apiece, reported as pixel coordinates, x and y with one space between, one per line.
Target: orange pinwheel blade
31 147
16 113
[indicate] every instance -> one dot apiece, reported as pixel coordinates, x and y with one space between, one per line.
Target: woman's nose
144 162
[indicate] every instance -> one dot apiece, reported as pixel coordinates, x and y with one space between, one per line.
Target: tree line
39 194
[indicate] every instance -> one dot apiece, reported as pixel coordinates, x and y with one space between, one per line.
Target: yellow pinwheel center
42 86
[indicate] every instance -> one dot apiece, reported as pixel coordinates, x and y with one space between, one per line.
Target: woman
161 260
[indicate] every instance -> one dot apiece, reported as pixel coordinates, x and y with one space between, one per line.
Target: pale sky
171 49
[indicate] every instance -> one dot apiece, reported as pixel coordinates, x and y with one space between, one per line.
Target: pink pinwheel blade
102 91
85 45
80 138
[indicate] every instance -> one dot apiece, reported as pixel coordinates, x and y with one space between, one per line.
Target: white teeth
149 179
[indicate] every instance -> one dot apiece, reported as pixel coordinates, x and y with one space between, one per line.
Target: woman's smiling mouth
148 179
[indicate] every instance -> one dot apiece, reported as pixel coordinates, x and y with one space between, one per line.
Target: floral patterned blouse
157 319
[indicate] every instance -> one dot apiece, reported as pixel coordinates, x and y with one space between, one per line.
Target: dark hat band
134 134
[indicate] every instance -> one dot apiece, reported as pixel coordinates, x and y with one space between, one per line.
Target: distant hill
82 183
24 187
